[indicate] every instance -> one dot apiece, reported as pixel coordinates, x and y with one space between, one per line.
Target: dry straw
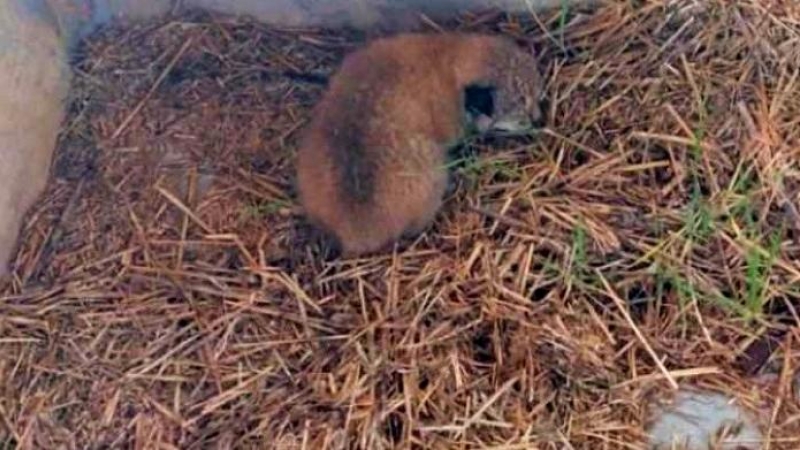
166 295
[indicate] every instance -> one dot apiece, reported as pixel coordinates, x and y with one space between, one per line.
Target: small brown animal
371 166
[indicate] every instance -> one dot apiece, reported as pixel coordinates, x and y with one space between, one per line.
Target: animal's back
371 166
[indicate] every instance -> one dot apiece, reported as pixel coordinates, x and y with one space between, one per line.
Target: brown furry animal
371 164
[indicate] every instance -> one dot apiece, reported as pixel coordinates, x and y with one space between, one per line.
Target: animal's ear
480 99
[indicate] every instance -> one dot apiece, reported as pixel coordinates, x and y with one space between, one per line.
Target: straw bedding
166 294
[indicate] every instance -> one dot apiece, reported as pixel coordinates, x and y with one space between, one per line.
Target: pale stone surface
695 419
33 82
366 13
78 17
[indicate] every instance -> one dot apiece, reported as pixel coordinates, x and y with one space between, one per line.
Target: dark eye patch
479 99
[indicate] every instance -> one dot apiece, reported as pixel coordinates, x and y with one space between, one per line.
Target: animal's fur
371 166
